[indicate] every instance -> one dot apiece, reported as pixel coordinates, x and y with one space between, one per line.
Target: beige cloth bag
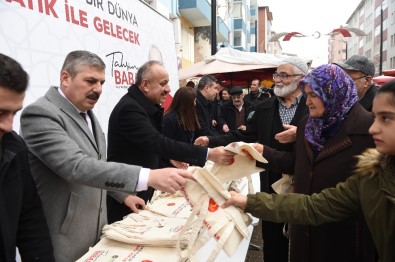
227 226
284 184
148 229
109 250
169 205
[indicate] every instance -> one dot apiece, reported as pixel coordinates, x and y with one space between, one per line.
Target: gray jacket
69 167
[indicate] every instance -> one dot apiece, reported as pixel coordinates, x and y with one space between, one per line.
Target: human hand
134 203
179 164
202 141
225 128
287 136
258 147
213 122
236 199
168 180
221 156
242 127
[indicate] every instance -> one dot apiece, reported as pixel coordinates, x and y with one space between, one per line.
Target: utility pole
381 40
213 27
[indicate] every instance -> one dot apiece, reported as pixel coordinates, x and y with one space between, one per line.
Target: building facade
377 19
236 24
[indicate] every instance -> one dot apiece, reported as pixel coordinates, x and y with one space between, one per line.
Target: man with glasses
233 114
273 124
362 71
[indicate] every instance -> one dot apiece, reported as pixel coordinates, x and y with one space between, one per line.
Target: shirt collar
62 94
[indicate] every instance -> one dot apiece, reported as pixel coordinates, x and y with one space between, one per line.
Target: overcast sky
306 17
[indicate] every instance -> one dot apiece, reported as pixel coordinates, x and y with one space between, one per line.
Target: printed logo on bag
212 206
170 204
234 144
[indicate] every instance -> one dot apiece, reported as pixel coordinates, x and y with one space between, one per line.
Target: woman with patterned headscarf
327 141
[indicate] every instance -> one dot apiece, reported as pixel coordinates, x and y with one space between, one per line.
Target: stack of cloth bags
177 226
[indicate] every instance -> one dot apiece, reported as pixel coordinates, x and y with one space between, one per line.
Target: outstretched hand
221 156
287 136
169 180
134 203
236 199
202 141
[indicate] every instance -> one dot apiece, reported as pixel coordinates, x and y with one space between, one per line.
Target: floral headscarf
338 92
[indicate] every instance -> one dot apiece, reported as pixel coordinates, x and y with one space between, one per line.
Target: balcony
198 13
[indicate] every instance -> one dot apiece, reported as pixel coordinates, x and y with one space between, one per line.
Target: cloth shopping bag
109 250
148 229
169 205
227 226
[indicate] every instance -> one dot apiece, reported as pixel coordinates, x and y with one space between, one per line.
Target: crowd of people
61 182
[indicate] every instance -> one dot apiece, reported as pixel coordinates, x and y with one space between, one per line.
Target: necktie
84 117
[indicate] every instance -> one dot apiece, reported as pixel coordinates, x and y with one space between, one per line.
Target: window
369 37
360 43
237 38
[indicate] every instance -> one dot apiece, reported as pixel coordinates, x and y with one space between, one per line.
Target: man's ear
65 77
144 85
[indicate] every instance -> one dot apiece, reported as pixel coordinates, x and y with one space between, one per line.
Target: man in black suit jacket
206 93
135 135
22 221
273 124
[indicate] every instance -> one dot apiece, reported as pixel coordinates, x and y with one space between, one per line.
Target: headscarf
338 92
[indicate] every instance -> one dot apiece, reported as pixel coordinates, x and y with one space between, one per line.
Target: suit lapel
56 98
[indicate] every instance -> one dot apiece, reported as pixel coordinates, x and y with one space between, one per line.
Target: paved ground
254 255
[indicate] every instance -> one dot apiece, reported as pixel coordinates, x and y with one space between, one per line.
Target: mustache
93 95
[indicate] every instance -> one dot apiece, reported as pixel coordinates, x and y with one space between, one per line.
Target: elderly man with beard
273 123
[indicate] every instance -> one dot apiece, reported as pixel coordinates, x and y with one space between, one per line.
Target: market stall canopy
389 72
234 66
380 80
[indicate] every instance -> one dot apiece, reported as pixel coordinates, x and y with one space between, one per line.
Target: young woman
180 119
370 191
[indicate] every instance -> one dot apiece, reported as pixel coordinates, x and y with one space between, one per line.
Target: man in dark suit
67 157
22 221
207 90
233 114
135 134
255 95
273 123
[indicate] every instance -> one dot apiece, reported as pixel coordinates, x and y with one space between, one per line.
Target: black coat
22 221
135 137
227 114
203 110
367 100
261 128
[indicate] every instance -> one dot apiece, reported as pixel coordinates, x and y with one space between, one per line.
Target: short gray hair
145 71
75 60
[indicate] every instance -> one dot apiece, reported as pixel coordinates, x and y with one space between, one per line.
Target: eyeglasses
359 77
284 76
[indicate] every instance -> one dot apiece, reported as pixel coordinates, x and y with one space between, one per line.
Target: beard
284 91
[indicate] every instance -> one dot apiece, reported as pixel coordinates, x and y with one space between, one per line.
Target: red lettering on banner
78 19
117 31
44 6
123 77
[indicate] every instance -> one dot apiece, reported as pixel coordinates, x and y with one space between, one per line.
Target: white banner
124 33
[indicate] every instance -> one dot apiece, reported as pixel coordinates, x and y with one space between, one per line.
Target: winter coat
370 192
